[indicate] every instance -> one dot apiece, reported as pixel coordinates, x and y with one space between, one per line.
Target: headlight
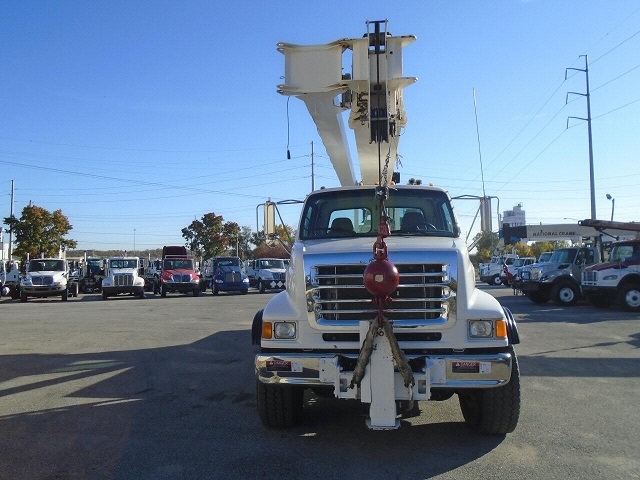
284 330
480 328
610 277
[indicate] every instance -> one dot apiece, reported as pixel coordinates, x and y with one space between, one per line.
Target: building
514 218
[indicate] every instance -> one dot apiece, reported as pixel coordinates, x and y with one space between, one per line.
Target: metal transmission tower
588 120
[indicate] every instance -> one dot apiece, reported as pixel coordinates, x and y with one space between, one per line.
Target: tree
487 242
40 232
284 232
212 236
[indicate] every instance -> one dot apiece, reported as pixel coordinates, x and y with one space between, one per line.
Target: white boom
373 93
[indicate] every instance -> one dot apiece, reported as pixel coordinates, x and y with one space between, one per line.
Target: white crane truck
432 334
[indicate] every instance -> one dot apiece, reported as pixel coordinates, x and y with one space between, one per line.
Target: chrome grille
590 276
123 280
42 280
423 295
180 278
232 277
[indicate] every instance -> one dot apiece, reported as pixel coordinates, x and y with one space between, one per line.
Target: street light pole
134 241
613 204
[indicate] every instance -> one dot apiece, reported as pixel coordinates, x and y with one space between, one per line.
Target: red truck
178 273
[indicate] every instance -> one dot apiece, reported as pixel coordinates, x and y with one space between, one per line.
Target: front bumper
181 287
430 372
233 287
42 291
123 289
535 287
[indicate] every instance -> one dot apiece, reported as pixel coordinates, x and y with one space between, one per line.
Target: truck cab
456 338
45 277
122 275
617 280
227 275
559 278
178 273
267 273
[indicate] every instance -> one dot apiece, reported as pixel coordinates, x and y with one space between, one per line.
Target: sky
137 117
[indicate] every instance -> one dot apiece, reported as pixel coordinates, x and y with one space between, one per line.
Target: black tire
261 286
163 291
493 411
496 280
23 297
565 294
65 294
196 292
629 297
215 290
279 406
141 294
104 295
538 297
599 301
244 292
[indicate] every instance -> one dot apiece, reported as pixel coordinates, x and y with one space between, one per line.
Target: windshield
271 263
123 263
46 266
356 213
629 252
563 255
228 262
185 264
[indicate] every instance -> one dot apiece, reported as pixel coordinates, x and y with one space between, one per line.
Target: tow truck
380 303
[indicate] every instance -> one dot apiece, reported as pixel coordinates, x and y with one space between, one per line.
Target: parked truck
224 274
380 303
10 278
91 274
559 278
122 276
178 273
266 273
491 272
617 280
45 277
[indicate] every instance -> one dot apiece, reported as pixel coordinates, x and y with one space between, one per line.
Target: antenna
475 109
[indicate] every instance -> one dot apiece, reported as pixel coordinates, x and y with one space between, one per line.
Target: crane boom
372 93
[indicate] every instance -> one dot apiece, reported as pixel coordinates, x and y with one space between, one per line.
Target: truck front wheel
630 297
261 286
494 411
279 406
163 291
65 295
538 297
496 280
565 294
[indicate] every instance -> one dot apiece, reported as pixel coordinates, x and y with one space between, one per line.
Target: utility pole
10 252
313 187
588 120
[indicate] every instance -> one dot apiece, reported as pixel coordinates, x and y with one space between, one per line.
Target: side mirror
270 223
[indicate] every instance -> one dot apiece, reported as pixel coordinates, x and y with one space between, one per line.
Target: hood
230 268
46 272
395 243
182 271
608 265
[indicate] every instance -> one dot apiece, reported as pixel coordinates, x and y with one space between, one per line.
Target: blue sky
136 117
